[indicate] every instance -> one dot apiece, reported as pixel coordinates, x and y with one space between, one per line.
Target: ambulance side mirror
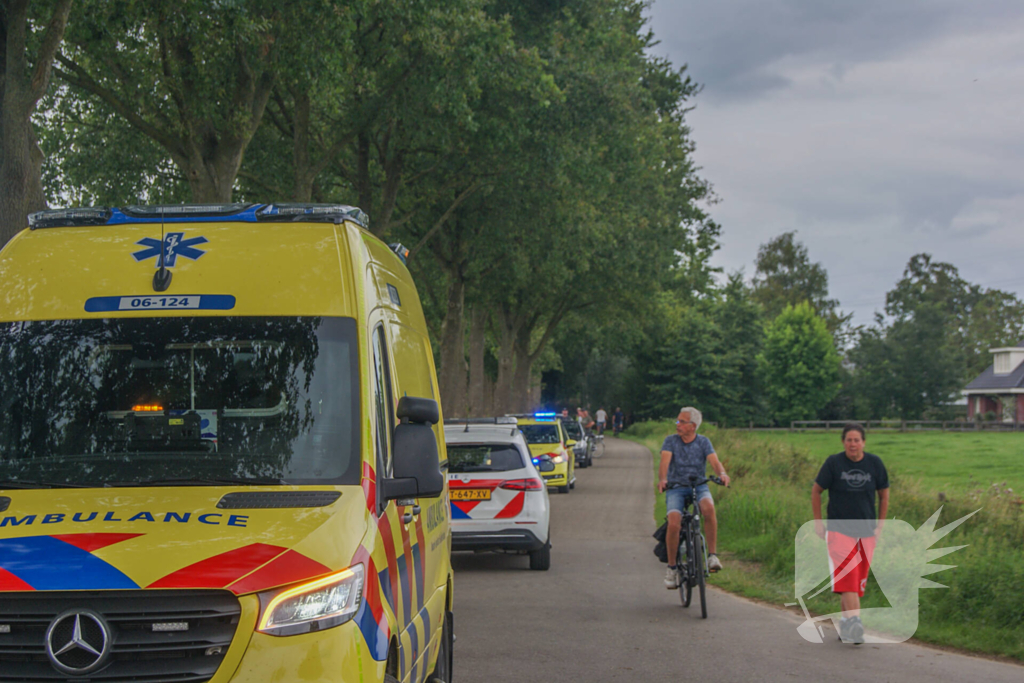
416 466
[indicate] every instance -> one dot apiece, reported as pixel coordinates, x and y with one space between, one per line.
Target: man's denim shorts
674 497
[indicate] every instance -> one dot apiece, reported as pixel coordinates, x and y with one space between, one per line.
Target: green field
940 461
983 608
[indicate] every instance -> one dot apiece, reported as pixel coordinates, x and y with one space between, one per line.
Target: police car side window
383 402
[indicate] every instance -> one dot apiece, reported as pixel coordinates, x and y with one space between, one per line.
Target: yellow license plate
470 494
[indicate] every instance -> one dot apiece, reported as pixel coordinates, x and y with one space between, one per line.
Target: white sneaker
671 578
714 564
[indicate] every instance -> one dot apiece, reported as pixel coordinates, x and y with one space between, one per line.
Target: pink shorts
849 560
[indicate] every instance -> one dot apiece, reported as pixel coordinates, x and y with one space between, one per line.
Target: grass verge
981 610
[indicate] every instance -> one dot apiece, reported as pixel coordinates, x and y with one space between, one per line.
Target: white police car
498 499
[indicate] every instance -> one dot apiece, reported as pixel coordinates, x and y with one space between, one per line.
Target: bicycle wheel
683 562
598 448
698 558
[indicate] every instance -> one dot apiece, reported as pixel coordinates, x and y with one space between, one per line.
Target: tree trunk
211 168
364 183
477 348
20 89
489 408
453 353
503 388
15 164
523 372
304 176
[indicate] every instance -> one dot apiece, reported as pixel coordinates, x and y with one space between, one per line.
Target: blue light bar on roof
539 415
205 213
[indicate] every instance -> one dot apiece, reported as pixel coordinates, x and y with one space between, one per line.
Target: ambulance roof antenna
162 277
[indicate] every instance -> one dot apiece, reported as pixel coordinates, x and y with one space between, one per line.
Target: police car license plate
470 494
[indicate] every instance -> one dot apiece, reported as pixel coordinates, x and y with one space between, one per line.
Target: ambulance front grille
138 652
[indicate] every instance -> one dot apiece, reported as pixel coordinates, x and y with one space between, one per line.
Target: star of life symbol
174 245
901 560
85 649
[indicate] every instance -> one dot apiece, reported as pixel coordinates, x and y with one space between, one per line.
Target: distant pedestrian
852 478
602 417
617 420
583 417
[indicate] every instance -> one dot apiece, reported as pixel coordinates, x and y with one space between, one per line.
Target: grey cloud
731 46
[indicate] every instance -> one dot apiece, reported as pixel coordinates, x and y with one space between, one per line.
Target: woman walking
852 478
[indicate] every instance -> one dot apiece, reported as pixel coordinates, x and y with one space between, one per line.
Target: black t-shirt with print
851 490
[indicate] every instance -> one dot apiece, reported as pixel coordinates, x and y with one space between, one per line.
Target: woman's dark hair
854 427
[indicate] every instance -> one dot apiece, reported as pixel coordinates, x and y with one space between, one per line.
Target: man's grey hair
695 417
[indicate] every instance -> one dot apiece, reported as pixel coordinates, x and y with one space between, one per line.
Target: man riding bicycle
683 454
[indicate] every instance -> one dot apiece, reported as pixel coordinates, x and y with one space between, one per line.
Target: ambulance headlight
315 606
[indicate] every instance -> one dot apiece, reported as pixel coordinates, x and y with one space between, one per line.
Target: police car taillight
522 485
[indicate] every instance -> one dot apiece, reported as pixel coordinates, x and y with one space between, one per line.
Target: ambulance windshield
158 400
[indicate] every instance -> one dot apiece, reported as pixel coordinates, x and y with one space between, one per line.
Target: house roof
989 380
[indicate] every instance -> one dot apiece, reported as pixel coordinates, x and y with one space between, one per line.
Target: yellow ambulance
221 452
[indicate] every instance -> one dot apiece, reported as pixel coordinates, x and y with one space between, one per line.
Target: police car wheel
388 678
540 560
563 489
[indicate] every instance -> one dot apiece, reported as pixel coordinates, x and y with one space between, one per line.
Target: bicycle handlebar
695 482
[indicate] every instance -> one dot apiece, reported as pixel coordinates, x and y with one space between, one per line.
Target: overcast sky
877 129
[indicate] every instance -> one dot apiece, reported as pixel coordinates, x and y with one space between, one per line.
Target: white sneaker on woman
714 564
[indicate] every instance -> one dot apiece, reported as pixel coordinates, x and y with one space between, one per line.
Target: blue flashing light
187 213
544 414
198 213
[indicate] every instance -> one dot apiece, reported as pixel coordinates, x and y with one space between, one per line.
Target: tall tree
26 61
934 339
195 77
785 276
799 365
741 320
974 318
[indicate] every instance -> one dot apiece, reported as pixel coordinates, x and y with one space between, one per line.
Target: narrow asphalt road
602 614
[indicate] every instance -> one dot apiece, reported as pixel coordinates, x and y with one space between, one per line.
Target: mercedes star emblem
78 642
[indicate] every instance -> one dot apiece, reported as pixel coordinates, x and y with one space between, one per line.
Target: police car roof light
544 414
53 218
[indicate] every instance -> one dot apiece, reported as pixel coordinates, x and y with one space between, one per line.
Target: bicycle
596 445
692 556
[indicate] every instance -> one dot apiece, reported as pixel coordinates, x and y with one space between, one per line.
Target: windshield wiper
219 481
27 484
